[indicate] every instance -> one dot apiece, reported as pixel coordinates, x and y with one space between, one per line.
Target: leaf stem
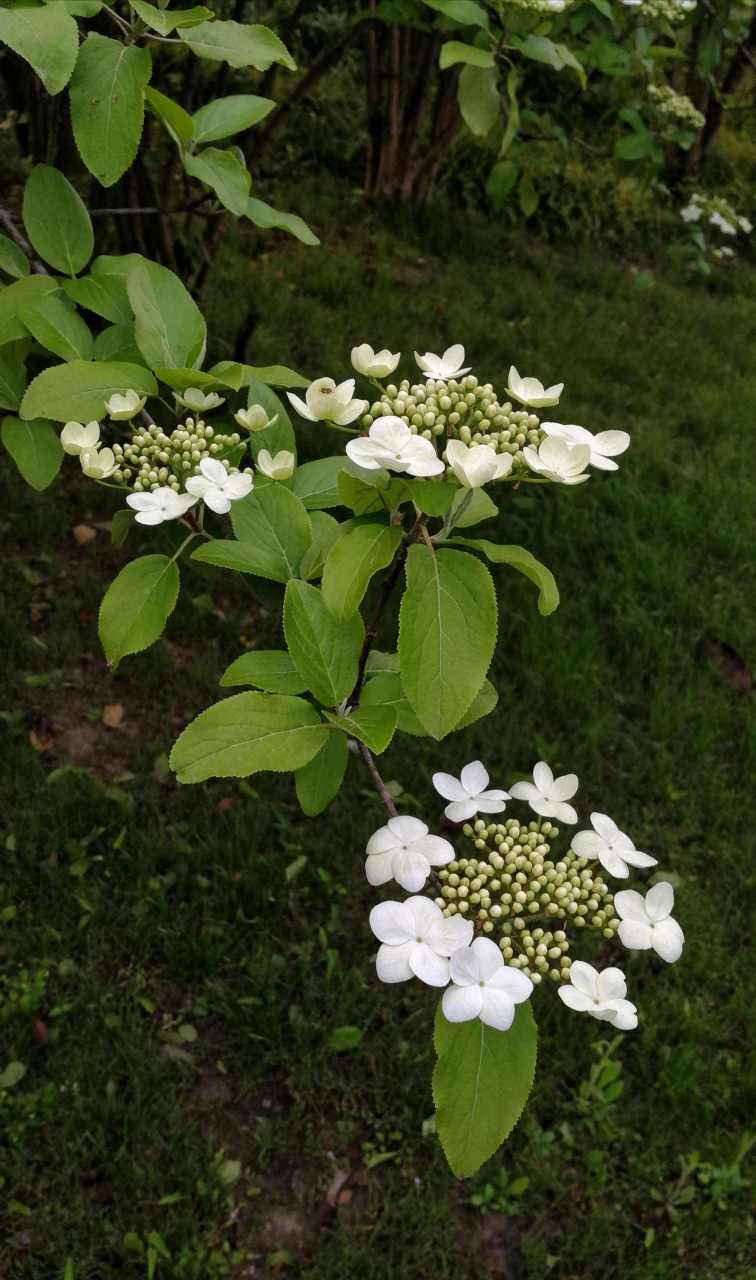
378 782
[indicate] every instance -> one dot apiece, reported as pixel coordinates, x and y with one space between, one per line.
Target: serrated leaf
270 669
12 384
107 104
325 531
164 21
223 117
373 725
522 560
482 705
35 448
239 44
137 605
478 98
58 327
77 391
275 527
274 375
384 689
177 121
14 296
464 12
169 327
247 733
320 781
116 343
433 497
47 38
224 173
13 261
477 508
264 215
316 483
325 651
56 220
106 296
353 559
453 51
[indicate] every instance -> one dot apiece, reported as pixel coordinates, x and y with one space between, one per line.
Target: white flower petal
217 501
497 1008
611 985
449 787
301 407
635 935
563 788
629 905
410 869
393 922
660 901
492 801
406 828
461 810
474 778
622 1014
449 934
429 967
488 957
464 967
379 868
461 1004
605 826
575 999
667 940
587 844
584 978
543 777
517 984
435 849
392 964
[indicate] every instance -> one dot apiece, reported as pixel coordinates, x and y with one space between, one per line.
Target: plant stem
378 782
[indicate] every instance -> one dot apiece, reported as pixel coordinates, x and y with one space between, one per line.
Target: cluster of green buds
462 408
669 10
153 458
676 108
514 889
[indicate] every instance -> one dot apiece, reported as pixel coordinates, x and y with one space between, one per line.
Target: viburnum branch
378 782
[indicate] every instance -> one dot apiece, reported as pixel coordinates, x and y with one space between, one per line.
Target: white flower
255 418
531 392
468 794
403 851
600 994
374 364
198 400
449 365
614 850
217 487
326 402
603 446
121 408
558 461
727 229
98 464
77 438
745 225
548 795
692 212
279 467
417 939
390 443
484 986
474 465
159 505
648 922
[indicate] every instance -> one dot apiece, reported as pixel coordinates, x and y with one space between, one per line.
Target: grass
174 961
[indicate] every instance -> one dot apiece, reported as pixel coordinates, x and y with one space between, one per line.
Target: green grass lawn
174 961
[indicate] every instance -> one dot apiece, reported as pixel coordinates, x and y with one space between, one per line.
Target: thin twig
7 222
378 782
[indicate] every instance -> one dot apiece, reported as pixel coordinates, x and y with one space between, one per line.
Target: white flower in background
600 994
390 443
727 229
724 252
374 364
77 438
548 795
614 850
417 939
475 465
559 461
484 986
531 392
326 402
646 923
468 794
98 464
745 225
449 365
159 505
603 446
217 487
278 467
197 400
403 851
255 418
692 211
121 408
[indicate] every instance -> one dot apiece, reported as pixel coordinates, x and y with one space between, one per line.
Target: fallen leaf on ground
83 533
112 715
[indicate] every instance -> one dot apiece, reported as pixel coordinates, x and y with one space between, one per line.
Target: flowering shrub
700 214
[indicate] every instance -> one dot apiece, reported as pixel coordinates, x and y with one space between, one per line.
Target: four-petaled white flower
417 939
390 443
548 795
77 438
603 446
648 922
449 365
278 467
726 227
121 408
559 461
531 392
692 211
600 994
484 986
475 465
374 364
255 418
614 850
197 400
326 402
404 851
217 487
468 794
98 464
159 505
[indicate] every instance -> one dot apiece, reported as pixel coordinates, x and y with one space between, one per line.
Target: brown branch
378 782
7 222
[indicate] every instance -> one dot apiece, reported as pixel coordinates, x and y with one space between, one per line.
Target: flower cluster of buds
717 212
153 458
668 10
677 108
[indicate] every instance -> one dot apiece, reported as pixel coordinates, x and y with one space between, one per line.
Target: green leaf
120 525
177 121
557 56
363 496
35 448
264 215
478 97
12 1075
224 173
14 296
528 195
325 531
453 51
58 327
379 661
635 146
224 117
12 384
343 1039
238 44
482 705
373 725
13 261
78 391
247 733
447 635
181 379
464 12
56 220
477 508
274 375
481 1083
352 561
117 343
325 651
522 560
106 296
274 526
164 21
384 689
320 781
47 38
433 497
501 180
137 605
169 326
107 104
268 669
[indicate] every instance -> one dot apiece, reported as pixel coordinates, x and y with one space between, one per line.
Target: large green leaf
385 690
35 448
58 327
165 21
177 121
12 384
14 296
325 531
320 780
273 375
246 733
243 557
522 560
453 51
13 261
557 56
463 12
224 173
56 220
372 725
107 104
479 100
264 215
169 326
352 561
117 343
481 1083
78 391
275 521
224 117
106 296
325 651
238 44
47 38
447 635
270 669
316 483
137 605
